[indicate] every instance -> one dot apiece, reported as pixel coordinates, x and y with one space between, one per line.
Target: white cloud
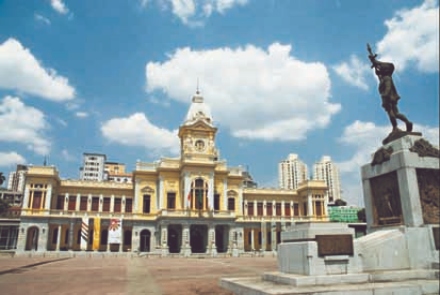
413 37
258 94
23 124
41 18
20 70
194 12
8 159
136 130
59 6
161 102
354 72
366 138
67 156
81 114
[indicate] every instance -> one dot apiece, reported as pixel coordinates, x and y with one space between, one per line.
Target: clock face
199 145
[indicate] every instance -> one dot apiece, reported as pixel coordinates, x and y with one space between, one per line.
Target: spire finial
197 90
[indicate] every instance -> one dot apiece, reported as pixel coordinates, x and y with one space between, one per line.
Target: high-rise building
291 172
93 167
326 170
17 178
116 172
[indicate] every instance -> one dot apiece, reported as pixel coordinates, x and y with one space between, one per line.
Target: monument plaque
334 245
386 199
429 190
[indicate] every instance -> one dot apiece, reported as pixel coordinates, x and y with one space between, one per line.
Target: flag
96 233
84 233
115 231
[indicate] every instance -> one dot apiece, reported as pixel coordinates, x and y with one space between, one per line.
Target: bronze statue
388 92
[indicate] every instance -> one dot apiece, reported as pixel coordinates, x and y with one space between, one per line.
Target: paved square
121 275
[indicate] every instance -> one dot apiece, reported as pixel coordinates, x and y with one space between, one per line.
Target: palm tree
2 178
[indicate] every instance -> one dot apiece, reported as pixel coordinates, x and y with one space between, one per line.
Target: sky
117 77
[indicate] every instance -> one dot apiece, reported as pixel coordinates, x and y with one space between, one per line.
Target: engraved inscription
387 208
429 190
334 245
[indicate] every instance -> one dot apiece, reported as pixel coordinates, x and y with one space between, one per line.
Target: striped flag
84 233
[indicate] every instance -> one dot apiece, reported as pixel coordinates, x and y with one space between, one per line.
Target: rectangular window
60 202
278 209
91 237
250 209
305 209
296 209
83 203
147 204
72 203
66 237
117 207
78 237
128 205
231 204
286 209
260 209
171 200
106 205
104 237
95 203
36 204
259 238
216 202
269 209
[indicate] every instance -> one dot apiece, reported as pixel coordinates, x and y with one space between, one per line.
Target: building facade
16 179
191 204
291 172
326 170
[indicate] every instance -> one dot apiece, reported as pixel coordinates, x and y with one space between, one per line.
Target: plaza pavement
125 275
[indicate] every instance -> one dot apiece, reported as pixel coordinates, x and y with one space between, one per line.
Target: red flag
189 196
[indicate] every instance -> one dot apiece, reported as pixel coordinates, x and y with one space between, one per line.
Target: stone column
89 202
112 204
252 239
160 193
225 195
164 239
78 202
274 208
71 234
48 197
66 202
123 204
264 208
186 243
137 196
121 245
283 209
212 248
26 197
326 204
263 236
101 200
273 233
58 238
255 208
309 205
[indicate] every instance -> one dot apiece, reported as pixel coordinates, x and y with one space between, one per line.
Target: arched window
199 194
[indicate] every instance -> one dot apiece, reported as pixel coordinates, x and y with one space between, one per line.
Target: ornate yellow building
191 204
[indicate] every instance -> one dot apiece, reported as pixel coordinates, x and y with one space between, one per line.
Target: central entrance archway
32 239
145 241
199 238
174 234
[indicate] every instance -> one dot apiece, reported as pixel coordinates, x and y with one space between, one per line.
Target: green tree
361 215
340 202
4 206
2 178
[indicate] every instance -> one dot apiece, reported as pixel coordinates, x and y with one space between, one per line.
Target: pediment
232 193
147 189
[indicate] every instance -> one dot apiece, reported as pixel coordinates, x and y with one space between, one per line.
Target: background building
291 172
93 167
326 170
116 172
17 178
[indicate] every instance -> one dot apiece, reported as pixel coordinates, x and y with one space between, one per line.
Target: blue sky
117 77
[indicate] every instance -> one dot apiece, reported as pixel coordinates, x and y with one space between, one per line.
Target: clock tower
197 133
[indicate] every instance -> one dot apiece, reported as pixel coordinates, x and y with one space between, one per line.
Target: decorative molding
147 189
424 149
381 155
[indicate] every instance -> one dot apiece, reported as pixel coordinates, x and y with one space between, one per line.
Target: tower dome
198 110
